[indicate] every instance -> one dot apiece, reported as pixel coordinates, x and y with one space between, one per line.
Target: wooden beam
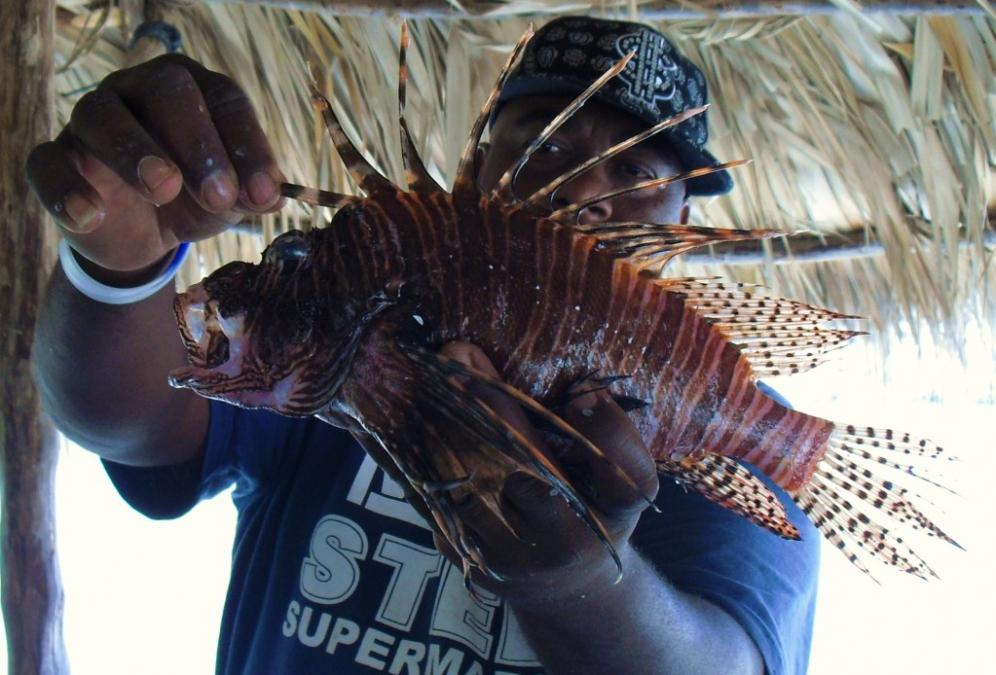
667 10
32 589
803 248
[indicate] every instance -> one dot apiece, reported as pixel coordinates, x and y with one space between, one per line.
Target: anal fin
730 484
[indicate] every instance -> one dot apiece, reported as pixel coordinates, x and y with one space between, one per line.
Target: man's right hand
165 152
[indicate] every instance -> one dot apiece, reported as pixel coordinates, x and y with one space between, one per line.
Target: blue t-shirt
334 572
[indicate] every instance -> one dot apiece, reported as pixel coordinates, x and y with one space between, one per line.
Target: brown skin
102 369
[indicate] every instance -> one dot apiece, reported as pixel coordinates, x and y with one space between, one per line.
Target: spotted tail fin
866 467
859 485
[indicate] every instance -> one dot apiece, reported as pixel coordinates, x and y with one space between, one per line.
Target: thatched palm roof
873 132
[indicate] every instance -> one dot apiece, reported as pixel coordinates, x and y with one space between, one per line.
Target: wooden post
32 589
665 10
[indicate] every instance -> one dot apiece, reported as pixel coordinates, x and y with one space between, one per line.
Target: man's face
592 130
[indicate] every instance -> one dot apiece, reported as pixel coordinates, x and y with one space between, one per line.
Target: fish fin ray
854 527
569 214
861 499
505 188
651 246
823 519
539 411
317 197
363 172
465 182
418 177
776 336
549 191
894 500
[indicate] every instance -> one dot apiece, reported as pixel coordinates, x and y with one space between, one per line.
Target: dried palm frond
874 126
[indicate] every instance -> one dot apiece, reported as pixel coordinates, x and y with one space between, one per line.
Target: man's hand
557 556
164 152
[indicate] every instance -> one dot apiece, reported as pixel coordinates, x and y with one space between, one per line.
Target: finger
608 427
243 137
532 505
104 126
65 194
169 102
501 538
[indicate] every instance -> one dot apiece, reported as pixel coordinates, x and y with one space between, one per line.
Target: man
332 570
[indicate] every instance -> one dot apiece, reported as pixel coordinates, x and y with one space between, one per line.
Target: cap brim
716 183
691 157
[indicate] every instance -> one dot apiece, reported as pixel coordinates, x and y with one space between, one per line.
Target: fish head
270 335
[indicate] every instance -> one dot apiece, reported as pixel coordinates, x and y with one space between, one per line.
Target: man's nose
583 189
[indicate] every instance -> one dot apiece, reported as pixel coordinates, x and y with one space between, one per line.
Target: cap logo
652 75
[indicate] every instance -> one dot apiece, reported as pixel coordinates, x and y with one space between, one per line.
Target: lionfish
343 323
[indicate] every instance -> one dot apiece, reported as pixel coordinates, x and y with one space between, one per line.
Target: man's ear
686 211
480 154
482 151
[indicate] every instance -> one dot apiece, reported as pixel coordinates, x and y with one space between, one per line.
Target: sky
144 597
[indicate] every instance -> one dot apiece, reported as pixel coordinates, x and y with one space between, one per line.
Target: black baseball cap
568 54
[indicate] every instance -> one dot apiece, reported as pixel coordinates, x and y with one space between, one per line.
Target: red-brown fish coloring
344 322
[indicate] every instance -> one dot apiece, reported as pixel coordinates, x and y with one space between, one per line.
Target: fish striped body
549 304
343 323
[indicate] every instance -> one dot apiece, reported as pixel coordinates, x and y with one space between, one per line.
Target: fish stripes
343 322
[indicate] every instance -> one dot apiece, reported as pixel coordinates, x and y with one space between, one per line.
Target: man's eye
638 171
550 148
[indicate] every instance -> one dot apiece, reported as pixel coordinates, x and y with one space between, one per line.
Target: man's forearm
641 625
102 373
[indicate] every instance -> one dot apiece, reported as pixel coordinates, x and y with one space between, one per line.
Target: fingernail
218 190
261 188
82 213
153 172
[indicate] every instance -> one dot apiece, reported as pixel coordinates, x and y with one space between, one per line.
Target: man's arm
102 374
581 620
143 164
641 625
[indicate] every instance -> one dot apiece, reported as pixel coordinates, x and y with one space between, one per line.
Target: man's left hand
555 555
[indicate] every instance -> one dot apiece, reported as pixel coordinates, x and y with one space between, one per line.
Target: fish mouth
217 348
215 343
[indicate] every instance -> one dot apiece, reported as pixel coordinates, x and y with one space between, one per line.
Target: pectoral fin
452 446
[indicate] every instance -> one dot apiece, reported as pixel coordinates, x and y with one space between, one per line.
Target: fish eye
289 246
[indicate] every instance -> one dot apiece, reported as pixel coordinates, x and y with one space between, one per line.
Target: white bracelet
111 295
